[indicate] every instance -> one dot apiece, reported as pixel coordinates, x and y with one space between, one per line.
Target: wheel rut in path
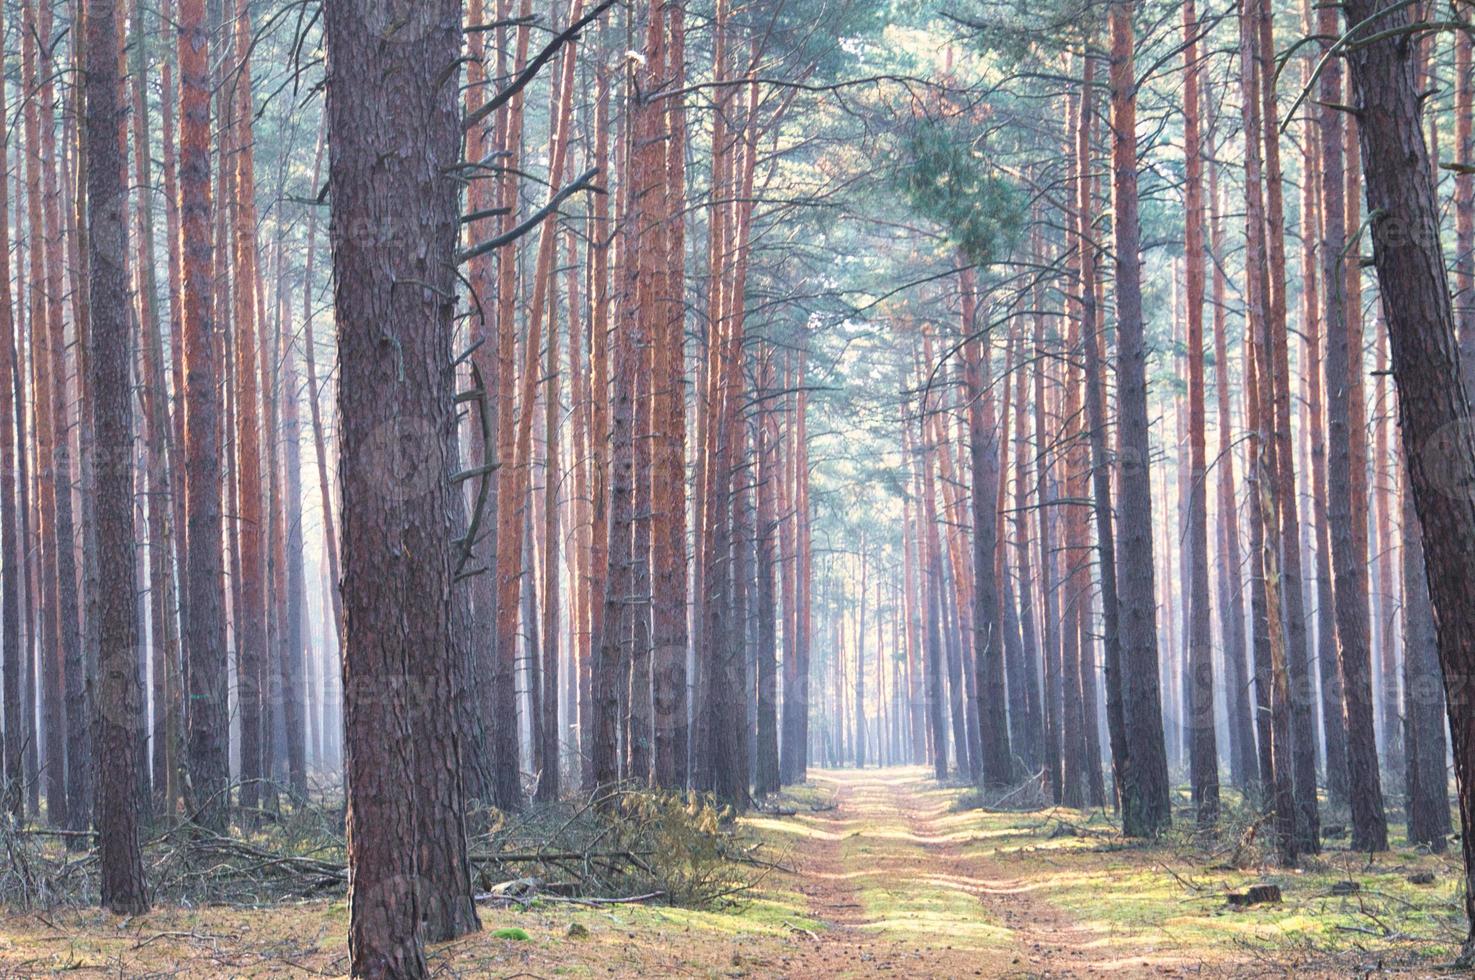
909 887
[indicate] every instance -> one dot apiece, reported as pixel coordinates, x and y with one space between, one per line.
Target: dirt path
908 887
884 878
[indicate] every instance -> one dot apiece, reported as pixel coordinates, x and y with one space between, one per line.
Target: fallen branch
801 930
596 902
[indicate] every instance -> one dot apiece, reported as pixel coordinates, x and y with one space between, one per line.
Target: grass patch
513 933
1172 892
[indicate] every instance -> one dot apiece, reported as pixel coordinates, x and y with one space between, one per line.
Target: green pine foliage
951 183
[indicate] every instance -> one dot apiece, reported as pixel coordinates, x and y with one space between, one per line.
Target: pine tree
119 709
1145 810
407 847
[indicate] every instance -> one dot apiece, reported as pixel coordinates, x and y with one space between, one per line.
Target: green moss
1176 893
760 914
777 911
807 796
511 932
929 911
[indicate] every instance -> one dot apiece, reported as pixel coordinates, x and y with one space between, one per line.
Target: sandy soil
881 876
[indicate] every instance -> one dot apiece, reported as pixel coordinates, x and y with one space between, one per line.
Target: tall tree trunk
41 631
804 559
1369 825
726 585
1238 695
314 405
1433 406
611 662
1334 729
1015 659
766 762
206 648
1297 659
294 644
332 592
910 584
162 454
789 747
178 501
13 798
29 579
987 662
1203 753
958 620
547 736
1145 809
1048 582
668 517
77 410
719 214
952 597
407 844
1263 452
599 425
1424 707
1032 745
734 786
651 260
580 507
62 642
1384 597
118 720
860 661
1073 531
929 546
1092 359
484 201
248 620
501 609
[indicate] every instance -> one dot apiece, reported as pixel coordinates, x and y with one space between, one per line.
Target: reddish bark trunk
1202 748
1092 360
206 647
668 518
1145 808
1345 465
1298 652
997 765
249 618
501 609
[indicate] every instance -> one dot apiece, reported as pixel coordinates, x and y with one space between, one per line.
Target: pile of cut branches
619 845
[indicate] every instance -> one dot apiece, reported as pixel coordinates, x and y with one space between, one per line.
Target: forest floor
878 873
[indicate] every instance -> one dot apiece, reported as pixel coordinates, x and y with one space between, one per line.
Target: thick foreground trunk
394 134
1438 442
